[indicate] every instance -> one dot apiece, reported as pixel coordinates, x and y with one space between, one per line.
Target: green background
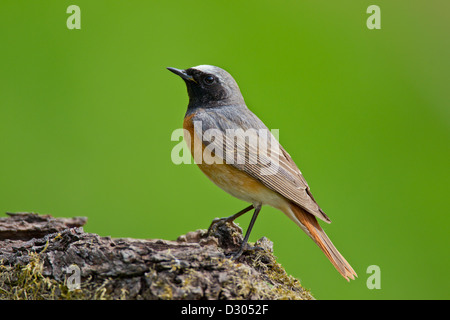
86 118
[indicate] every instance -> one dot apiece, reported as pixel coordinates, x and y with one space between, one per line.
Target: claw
245 247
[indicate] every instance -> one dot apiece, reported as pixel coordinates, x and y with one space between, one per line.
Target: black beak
182 74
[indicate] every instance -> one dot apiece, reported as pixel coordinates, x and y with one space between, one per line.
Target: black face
205 88
209 87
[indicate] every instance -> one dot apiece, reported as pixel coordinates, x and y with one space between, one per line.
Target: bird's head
210 86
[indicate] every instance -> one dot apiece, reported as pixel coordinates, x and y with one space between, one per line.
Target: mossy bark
37 253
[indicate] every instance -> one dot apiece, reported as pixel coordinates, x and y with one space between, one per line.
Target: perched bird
237 152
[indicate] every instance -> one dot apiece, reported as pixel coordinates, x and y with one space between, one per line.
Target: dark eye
209 80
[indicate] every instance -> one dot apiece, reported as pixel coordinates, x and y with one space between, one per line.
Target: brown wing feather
284 177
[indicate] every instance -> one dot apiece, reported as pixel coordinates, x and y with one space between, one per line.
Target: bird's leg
247 234
240 213
230 218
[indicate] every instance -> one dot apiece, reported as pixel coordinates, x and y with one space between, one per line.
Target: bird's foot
244 248
220 221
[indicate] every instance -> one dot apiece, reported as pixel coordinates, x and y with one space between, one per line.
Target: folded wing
248 145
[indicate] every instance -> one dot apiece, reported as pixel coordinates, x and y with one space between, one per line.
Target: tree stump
42 257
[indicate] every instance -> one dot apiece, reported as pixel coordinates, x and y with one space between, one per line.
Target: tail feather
310 225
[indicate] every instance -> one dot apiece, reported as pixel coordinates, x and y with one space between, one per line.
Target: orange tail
310 225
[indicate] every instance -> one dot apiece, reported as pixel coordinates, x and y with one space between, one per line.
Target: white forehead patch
206 68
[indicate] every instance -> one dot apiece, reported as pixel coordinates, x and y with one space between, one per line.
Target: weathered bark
39 256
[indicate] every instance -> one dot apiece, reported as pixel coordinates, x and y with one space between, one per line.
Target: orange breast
232 180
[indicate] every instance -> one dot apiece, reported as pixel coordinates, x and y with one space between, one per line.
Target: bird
226 140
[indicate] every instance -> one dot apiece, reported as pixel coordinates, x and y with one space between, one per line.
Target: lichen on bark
34 264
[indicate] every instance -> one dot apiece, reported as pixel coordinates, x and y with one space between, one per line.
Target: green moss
278 285
26 282
159 287
259 276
